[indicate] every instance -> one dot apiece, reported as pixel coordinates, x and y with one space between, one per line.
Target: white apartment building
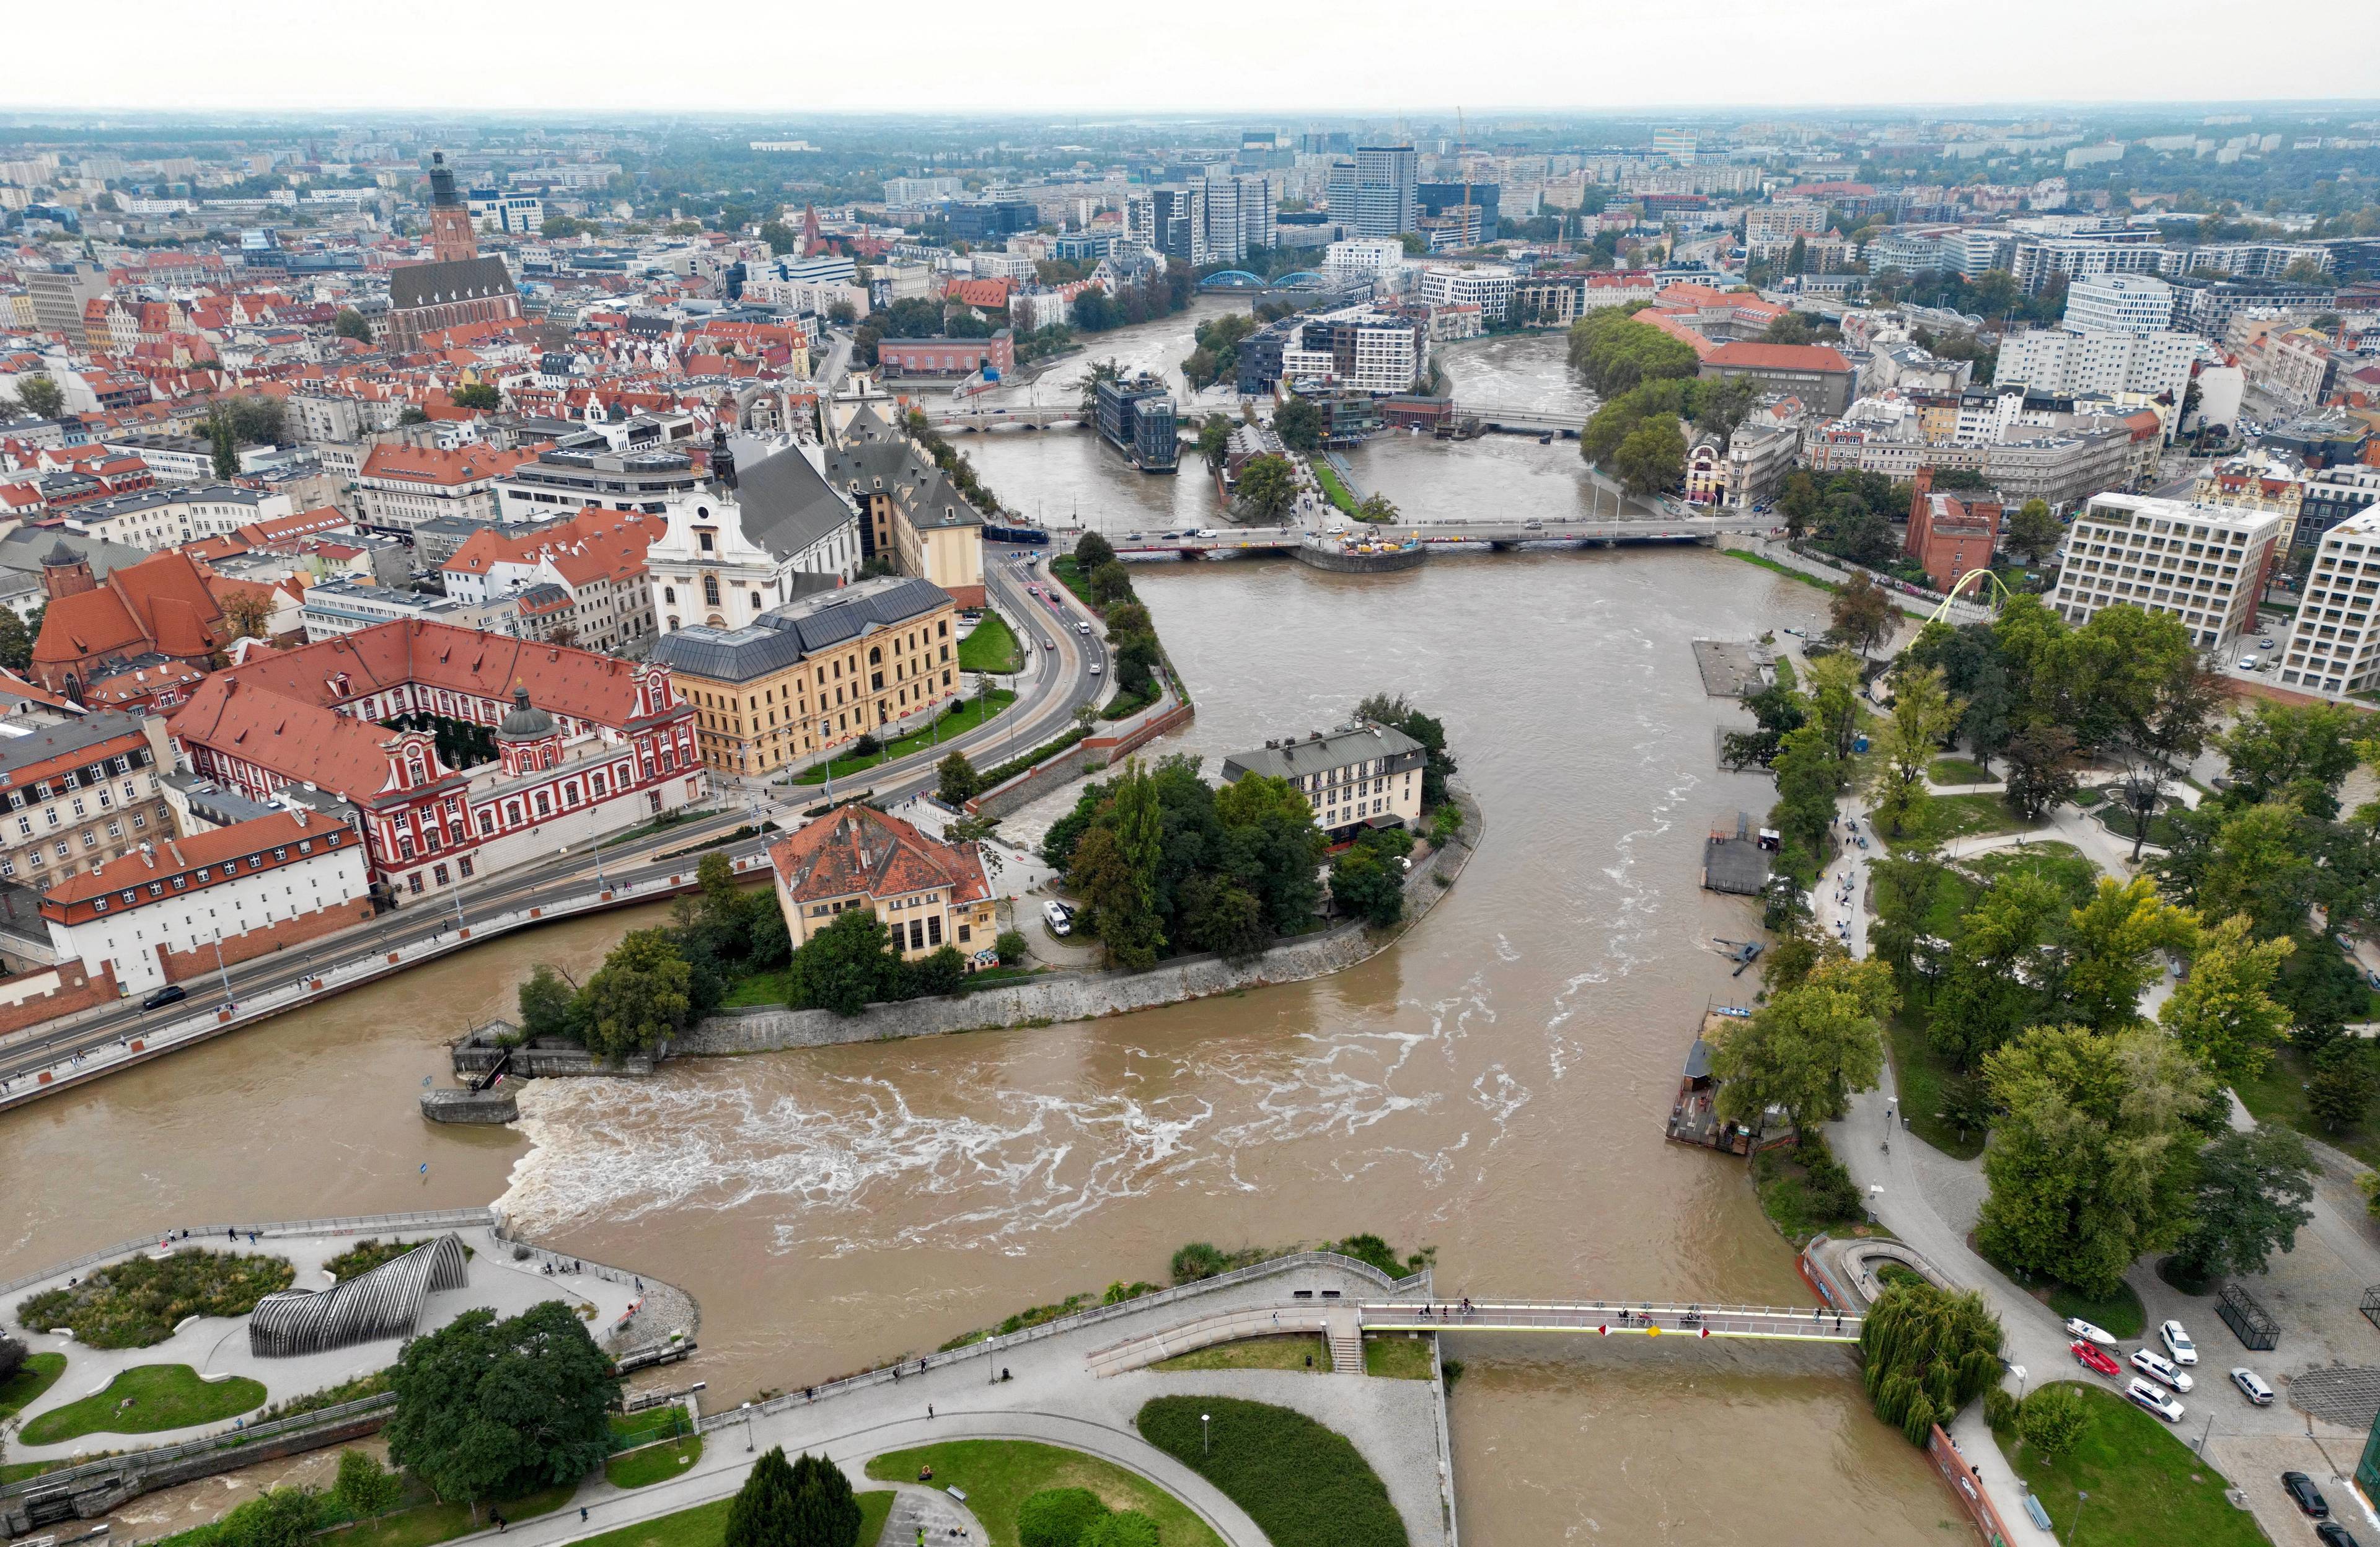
168 518
1362 258
2063 363
2203 565
1769 229
2334 644
1488 286
1356 348
2119 303
161 913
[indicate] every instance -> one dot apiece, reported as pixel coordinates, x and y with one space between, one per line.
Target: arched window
669 594
711 590
875 655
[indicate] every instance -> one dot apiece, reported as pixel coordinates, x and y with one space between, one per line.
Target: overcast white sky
1276 59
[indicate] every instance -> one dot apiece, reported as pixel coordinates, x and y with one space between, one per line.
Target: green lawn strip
1963 816
2276 1094
163 1397
1300 1482
1923 1077
1333 489
1288 1351
1785 569
39 1372
638 1469
2120 1314
761 989
139 1301
426 1524
990 646
17 1471
706 1525
2147 1488
1399 1358
1959 771
972 712
2061 864
997 1476
1070 575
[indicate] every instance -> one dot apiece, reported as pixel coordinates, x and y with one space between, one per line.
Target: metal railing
199 1234
114 1466
1785 1324
884 1374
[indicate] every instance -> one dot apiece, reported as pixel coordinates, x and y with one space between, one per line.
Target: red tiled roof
180 866
857 849
162 602
1778 357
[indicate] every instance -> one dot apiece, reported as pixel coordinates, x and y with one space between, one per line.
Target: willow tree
1926 1353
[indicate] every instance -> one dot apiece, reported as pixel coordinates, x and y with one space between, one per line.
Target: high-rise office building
1385 180
1238 214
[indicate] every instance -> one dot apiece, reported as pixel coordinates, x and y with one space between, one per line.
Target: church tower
451 240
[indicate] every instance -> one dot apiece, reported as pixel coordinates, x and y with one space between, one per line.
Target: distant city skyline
1226 56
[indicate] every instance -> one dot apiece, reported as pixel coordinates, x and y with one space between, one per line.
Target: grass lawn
1925 1078
1289 1351
1399 1358
2120 1314
2123 823
1300 1482
1785 569
1786 1198
39 1372
1959 771
638 1469
431 1523
761 989
706 1525
17 1471
1070 575
2089 796
997 1476
1332 489
163 1396
1962 816
2145 1486
2061 864
989 647
971 713
2277 1095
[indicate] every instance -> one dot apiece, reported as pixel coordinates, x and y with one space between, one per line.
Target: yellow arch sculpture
1942 612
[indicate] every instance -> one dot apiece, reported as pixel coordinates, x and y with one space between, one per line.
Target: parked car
2178 1343
2090 1355
2156 1367
2330 1533
2252 1386
1058 917
2077 1327
2307 1497
170 993
2143 1394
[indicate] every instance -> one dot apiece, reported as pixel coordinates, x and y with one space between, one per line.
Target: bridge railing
1792 1324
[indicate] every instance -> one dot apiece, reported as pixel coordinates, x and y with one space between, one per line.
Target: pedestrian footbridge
1613 1319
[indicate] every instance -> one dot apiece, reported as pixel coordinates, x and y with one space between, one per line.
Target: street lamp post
1203 1421
2075 1525
750 1444
225 976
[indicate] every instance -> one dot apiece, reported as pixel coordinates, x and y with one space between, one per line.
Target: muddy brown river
1493 1085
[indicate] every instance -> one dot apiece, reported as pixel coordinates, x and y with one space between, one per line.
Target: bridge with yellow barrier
1613 1319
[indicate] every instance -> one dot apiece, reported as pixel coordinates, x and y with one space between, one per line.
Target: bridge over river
1226 540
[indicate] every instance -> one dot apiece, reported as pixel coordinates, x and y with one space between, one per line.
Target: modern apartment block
2334 644
1387 190
2119 303
2201 563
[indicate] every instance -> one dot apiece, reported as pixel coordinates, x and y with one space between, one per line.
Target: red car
2091 1357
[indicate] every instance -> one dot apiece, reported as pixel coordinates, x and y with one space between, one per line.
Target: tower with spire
450 237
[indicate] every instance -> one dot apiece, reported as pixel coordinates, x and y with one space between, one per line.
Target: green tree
1653 457
1922 715
16 642
848 965
41 396
277 1517
638 997
2091 1163
1994 985
1299 424
482 396
1224 918
2033 532
1834 700
223 451
484 1407
956 781
2223 1014
1376 509
1215 441
2252 1193
2053 1419
1810 1047
2339 1093
2040 769
1365 888
1791 328
1613 353
1267 491
2297 754
1110 583
779 236
365 1488
550 1007
2112 949
1091 549
351 323
1808 776
805 1503
1862 614
1926 1353
2257 865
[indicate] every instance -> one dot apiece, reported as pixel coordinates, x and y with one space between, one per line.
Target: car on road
2156 1367
2264 644
2251 662
1058 917
2143 1394
2077 1327
2090 1355
2177 1342
2251 1386
2305 1495
2330 1533
1048 644
171 993
1095 669
1082 627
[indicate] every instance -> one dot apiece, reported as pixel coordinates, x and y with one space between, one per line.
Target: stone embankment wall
1359 564
1087 996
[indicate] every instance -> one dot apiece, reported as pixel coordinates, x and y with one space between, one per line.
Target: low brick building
928 893
1948 535
947 357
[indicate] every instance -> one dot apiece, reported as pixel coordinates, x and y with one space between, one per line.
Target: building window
413 884
711 590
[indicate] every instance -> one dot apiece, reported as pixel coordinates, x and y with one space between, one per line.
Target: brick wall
182 966
75 990
1967 1489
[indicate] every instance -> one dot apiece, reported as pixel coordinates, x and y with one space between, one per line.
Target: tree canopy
485 1408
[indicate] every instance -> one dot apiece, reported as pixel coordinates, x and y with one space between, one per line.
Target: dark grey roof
26 547
788 634
896 467
523 721
431 284
45 742
787 507
1293 759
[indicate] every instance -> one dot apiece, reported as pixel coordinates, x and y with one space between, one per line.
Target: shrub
1832 1193
866 746
281 1517
137 1302
1299 1481
1057 1518
2052 1420
1011 946
13 1355
1196 1261
1999 1408
1120 1291
1125 1527
366 1488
